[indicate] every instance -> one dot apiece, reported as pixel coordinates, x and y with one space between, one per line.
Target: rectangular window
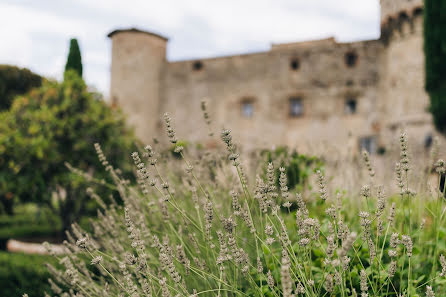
368 143
247 108
296 107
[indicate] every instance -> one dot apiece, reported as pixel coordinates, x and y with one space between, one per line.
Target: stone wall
385 79
323 81
404 102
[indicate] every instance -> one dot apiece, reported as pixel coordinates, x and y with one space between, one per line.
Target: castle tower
138 60
402 99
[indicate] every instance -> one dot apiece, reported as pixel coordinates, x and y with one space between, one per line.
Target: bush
298 167
20 273
15 81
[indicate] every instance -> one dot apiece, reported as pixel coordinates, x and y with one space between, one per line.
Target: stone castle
307 95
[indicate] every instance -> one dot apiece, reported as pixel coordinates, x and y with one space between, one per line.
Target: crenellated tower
402 99
138 61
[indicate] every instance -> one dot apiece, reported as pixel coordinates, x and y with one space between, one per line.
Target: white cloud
37 32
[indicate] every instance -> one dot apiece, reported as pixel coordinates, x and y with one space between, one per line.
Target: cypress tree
435 52
74 60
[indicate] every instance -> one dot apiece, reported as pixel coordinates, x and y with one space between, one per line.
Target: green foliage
57 123
20 273
74 60
15 81
38 223
435 53
298 167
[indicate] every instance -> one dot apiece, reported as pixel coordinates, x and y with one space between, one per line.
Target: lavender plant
181 233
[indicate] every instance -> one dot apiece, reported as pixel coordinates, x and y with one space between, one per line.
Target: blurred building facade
307 95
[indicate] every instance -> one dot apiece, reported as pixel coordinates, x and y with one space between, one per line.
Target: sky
35 33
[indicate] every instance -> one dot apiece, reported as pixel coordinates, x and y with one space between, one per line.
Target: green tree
435 52
15 81
74 60
54 124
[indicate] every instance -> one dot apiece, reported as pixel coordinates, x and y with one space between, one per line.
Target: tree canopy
54 124
15 81
435 52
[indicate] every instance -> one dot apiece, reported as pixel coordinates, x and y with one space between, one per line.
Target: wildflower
206 117
429 292
304 241
365 224
287 204
283 183
164 289
229 224
331 212
330 246
322 187
82 242
246 216
269 230
329 283
270 174
182 258
178 149
392 268
366 158
54 287
300 289
407 242
394 240
270 280
440 166
365 191
259 265
404 158
392 213
130 259
347 245
96 260
287 285
399 176
208 216
169 129
345 263
167 262
269 240
363 284
226 137
423 223
443 265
